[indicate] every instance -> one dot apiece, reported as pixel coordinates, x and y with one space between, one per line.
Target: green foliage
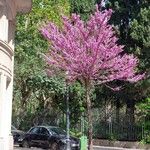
29 43
131 20
144 109
82 7
31 87
44 10
140 29
38 99
76 104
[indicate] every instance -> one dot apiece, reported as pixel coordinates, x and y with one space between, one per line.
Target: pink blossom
89 50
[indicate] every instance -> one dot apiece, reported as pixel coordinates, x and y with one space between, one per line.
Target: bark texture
89 112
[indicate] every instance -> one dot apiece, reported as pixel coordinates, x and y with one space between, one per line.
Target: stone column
8 113
6 140
4 28
6 85
8 10
11 35
4 134
3 21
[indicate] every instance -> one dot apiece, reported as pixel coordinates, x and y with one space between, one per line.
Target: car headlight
20 139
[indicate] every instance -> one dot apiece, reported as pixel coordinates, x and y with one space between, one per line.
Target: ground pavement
95 148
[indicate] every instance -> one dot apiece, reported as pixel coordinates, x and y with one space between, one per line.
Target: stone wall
123 144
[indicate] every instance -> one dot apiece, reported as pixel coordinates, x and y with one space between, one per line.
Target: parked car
51 137
16 133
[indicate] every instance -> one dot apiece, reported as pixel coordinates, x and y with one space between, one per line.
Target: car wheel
54 146
62 147
25 144
20 145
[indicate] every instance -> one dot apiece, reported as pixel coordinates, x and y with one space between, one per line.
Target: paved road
95 148
19 148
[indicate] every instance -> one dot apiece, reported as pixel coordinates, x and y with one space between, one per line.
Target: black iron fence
118 131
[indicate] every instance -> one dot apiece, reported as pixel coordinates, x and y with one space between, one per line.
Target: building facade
8 11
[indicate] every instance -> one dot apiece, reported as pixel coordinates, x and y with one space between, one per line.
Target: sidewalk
112 148
95 148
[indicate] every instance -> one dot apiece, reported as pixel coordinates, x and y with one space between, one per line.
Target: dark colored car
50 137
16 133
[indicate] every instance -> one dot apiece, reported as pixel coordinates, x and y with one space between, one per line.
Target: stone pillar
8 10
9 94
4 28
6 85
6 140
11 35
4 134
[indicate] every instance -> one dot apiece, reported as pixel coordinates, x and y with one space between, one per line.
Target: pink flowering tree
88 51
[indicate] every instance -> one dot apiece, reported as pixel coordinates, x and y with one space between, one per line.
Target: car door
34 135
44 137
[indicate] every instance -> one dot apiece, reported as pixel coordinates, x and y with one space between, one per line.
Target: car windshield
56 130
13 128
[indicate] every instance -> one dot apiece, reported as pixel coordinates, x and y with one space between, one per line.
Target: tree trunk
89 111
130 119
118 111
130 111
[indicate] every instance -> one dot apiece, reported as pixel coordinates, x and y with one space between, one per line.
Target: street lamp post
67 116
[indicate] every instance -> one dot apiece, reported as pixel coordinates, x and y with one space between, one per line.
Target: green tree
144 111
82 7
131 20
29 46
36 95
140 29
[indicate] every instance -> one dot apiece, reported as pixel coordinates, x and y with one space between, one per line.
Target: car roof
47 127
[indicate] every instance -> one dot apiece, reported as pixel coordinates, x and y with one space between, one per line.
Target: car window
13 128
56 130
35 130
44 131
